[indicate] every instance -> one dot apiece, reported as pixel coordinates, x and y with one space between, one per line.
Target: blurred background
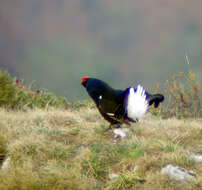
127 42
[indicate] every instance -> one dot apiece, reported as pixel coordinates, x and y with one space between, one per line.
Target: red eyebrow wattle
83 79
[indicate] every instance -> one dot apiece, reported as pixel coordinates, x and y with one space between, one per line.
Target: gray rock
121 133
196 157
113 176
5 163
177 173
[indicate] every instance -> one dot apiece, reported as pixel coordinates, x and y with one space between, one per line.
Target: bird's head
84 80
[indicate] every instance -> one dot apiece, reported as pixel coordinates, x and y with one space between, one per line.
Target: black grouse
120 106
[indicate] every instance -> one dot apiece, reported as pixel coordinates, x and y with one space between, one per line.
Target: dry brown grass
183 95
56 149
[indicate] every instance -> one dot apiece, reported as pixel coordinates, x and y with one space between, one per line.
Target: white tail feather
137 103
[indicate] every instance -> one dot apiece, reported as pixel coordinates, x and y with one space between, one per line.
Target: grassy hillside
48 143
69 149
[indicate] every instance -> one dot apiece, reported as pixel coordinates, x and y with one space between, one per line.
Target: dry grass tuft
183 95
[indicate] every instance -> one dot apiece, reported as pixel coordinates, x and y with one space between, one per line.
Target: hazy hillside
123 42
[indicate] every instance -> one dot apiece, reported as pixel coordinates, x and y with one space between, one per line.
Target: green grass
57 149
16 94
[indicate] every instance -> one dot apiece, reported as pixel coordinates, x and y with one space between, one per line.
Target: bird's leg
112 126
117 126
109 128
131 120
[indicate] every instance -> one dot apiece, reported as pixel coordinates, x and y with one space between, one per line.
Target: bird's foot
112 127
107 129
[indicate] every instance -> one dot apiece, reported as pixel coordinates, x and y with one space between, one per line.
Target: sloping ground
70 149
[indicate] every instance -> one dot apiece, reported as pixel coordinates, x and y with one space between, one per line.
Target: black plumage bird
120 106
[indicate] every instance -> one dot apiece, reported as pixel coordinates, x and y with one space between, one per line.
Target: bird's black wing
109 108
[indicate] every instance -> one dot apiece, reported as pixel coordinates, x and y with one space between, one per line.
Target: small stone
5 163
177 173
196 157
135 168
113 176
121 133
